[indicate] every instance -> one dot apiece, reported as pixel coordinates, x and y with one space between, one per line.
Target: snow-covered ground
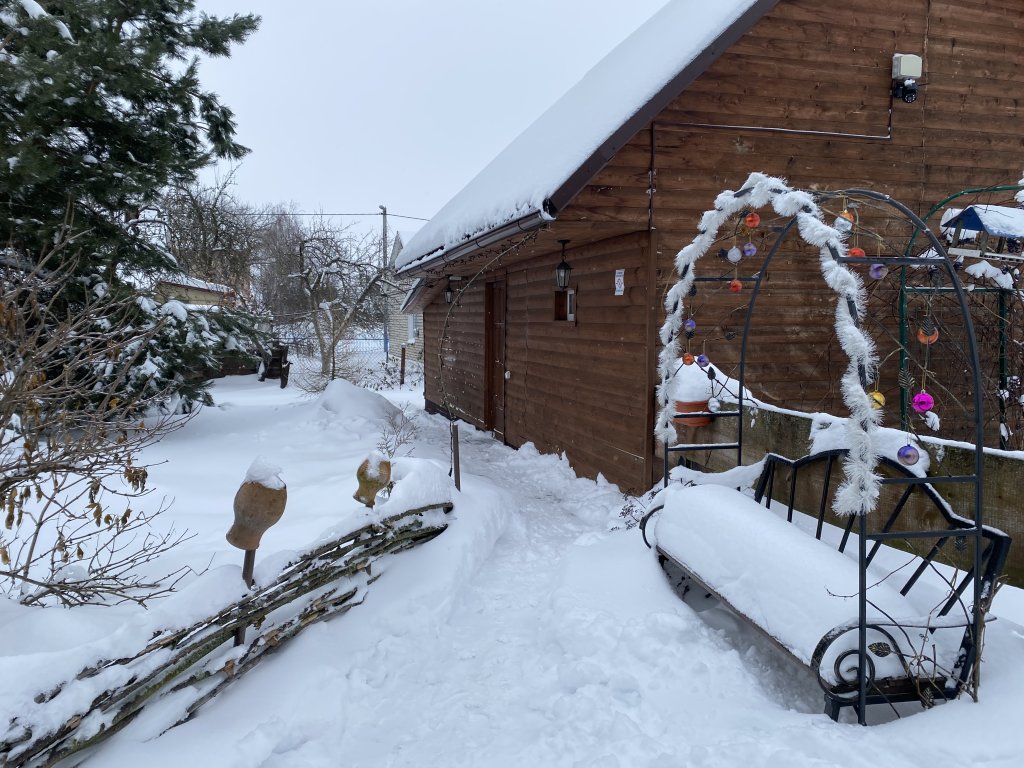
537 630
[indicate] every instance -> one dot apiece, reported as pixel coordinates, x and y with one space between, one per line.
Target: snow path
532 633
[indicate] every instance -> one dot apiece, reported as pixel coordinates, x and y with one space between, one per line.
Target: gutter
527 223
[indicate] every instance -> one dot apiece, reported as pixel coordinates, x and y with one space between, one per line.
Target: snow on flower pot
373 475
691 389
696 406
259 504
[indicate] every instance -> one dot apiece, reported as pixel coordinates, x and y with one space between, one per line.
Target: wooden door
494 359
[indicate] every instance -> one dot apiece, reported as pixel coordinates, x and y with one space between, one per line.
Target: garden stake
259 503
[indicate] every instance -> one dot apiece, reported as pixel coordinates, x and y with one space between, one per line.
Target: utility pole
385 265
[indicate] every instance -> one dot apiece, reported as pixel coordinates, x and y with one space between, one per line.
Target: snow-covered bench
796 579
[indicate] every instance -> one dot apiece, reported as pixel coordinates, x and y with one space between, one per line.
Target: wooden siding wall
454 355
578 387
826 69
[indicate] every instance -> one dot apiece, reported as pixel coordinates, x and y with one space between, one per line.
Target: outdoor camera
906 68
907 90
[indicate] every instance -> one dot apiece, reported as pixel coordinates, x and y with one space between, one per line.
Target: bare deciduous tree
68 474
326 281
212 235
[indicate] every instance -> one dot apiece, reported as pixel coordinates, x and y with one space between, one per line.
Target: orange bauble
687 359
735 286
857 253
927 338
752 220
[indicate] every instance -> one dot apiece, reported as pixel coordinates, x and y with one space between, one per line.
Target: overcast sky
349 104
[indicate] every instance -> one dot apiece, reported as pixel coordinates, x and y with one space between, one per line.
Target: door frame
495 352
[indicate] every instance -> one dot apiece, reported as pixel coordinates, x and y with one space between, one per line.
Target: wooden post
401 369
247 567
455 456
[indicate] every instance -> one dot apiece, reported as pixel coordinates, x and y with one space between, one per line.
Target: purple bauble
690 325
749 250
703 361
908 455
878 271
923 402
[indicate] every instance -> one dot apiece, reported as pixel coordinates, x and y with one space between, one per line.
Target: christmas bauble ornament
908 455
735 286
703 361
687 359
690 325
857 253
877 399
714 405
734 255
752 220
878 271
927 338
922 402
749 249
844 222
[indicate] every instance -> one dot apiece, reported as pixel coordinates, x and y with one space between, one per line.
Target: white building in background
403 330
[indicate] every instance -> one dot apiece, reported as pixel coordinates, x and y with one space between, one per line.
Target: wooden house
623 165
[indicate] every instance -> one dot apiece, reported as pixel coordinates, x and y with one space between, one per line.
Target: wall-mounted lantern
563 270
449 292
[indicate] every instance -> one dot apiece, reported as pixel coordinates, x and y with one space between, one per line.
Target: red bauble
687 359
752 220
857 253
735 286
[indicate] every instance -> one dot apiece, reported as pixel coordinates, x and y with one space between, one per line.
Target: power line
304 213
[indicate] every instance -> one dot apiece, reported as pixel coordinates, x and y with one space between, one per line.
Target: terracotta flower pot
256 509
683 407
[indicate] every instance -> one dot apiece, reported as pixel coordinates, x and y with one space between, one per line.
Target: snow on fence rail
197 660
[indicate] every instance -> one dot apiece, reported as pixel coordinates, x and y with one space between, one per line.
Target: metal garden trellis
861 483
1001 293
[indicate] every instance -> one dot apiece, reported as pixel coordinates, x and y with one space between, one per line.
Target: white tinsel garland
858 493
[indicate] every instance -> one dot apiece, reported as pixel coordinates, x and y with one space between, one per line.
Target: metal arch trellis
1002 311
861 485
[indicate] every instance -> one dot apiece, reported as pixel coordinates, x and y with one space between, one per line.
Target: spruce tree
101 110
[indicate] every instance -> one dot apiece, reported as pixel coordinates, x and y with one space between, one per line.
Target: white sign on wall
620 282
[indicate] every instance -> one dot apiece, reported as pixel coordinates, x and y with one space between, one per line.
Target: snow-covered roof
402 237
998 220
557 155
195 282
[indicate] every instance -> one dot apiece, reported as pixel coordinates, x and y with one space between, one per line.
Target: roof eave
522 225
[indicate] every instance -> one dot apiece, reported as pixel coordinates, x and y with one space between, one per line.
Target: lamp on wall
449 292
563 270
